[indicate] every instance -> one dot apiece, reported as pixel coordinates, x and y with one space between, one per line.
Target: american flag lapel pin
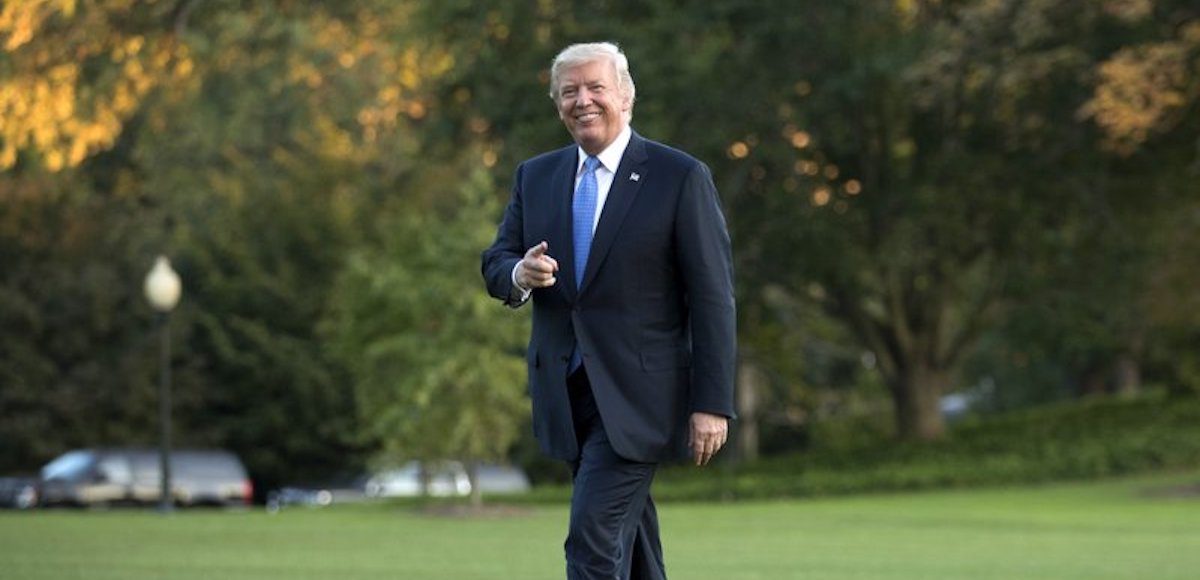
634 177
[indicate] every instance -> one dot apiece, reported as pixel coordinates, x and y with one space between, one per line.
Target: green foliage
909 170
78 343
438 366
1084 440
255 167
269 178
259 276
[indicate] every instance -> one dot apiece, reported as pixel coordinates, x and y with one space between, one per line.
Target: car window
217 466
71 465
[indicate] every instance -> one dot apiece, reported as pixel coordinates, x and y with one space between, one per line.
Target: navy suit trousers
613 532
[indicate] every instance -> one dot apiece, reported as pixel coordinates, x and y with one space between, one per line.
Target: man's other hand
536 269
708 435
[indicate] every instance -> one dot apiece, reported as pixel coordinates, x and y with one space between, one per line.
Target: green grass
1106 530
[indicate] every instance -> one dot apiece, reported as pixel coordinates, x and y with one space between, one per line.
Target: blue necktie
584 215
583 209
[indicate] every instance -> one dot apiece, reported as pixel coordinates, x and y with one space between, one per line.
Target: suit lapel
562 245
620 197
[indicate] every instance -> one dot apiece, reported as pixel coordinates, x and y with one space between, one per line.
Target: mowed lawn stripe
1107 530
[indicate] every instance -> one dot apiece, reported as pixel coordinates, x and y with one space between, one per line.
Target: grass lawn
1093 531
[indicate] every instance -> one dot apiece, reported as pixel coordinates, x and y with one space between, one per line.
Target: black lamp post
162 290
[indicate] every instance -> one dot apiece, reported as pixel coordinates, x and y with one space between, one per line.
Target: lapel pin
634 177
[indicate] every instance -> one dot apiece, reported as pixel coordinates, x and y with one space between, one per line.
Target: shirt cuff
519 293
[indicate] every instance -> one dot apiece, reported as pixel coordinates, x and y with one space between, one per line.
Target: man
621 244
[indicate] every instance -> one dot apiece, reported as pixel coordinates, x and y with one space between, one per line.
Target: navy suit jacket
654 316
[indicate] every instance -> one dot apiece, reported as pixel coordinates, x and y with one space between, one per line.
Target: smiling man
621 245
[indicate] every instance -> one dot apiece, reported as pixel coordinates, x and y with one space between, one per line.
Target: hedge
1073 441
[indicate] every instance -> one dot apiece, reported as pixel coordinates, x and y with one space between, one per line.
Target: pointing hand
536 269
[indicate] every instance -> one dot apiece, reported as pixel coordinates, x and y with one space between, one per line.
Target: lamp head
163 287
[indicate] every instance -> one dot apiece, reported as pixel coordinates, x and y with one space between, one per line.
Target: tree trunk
1129 375
917 392
424 477
1091 383
473 478
1129 370
748 388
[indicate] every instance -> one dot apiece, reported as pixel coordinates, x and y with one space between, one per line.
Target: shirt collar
610 158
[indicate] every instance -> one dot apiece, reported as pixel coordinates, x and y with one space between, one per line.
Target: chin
588 141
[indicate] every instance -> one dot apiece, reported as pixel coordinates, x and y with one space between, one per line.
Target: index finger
538 250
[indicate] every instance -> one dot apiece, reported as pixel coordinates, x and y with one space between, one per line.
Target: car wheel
27 498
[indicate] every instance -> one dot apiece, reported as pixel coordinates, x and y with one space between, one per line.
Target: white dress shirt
609 158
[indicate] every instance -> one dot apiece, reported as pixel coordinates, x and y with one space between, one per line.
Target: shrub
1077 440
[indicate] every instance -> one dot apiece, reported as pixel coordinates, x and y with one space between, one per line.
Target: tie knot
591 163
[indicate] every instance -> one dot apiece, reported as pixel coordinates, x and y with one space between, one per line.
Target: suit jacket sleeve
706 267
508 249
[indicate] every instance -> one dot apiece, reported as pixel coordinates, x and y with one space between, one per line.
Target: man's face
591 106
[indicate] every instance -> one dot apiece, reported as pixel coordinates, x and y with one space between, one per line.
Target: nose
583 98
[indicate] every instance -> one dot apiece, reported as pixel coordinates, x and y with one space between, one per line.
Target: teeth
587 116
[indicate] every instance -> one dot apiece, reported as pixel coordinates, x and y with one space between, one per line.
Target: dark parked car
18 492
340 490
101 477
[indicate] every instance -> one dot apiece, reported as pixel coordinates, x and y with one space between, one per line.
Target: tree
894 164
253 142
77 72
78 348
277 163
437 364
1100 308
920 179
